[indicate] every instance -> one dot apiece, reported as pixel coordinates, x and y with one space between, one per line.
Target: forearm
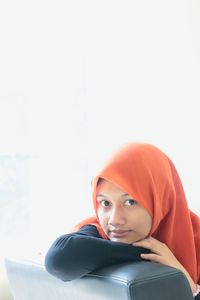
74 255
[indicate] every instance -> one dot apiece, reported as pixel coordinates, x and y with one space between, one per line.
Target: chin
121 240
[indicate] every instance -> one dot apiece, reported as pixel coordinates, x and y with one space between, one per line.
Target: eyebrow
101 195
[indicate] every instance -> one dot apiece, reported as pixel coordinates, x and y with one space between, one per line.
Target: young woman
141 213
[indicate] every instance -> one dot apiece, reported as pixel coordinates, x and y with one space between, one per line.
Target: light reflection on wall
14 199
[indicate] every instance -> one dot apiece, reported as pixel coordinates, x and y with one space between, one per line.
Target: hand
160 253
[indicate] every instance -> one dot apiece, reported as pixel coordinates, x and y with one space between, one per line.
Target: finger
145 243
152 257
151 244
149 239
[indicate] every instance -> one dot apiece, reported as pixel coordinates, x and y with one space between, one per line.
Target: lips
119 233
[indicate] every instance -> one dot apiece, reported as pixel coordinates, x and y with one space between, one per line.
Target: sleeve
197 297
74 255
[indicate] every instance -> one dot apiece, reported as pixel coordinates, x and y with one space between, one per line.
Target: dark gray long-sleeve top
76 254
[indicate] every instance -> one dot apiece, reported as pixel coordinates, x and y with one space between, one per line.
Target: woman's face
122 218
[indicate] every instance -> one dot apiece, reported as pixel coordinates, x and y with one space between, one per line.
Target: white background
79 78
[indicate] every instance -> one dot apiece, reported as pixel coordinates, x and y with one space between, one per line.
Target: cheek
103 218
144 224
141 222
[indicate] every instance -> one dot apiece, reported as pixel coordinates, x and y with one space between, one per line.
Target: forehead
108 187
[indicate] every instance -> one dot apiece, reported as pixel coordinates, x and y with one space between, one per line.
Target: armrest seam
137 281
153 278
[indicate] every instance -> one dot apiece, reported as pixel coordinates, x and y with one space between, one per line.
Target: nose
117 217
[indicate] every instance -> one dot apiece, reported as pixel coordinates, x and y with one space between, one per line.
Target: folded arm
74 255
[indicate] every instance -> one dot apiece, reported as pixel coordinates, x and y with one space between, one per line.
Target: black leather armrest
137 281
144 281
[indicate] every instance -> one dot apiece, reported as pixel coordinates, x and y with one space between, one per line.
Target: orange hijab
149 176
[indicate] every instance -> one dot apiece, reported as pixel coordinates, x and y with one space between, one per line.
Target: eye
130 202
104 203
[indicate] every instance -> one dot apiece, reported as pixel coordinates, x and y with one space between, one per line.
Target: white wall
78 78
